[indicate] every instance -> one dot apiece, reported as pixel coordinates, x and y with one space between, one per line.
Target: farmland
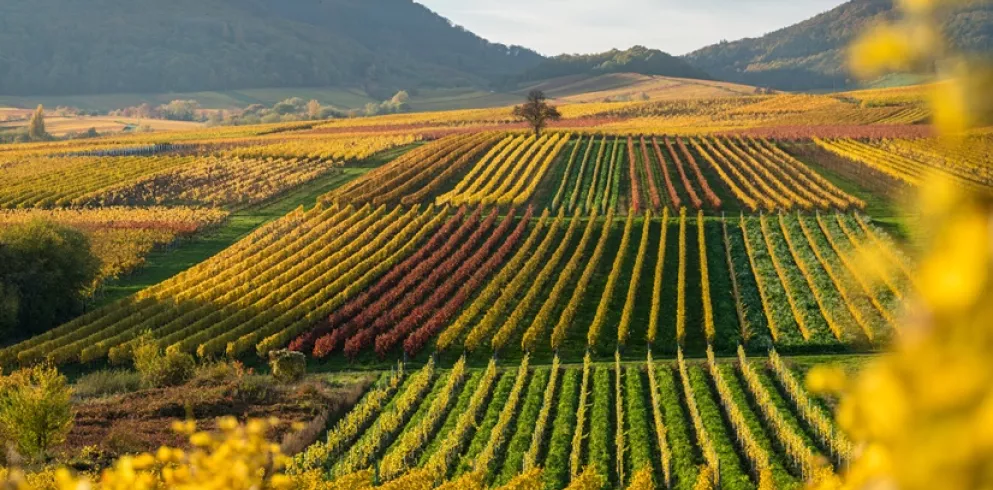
611 423
630 299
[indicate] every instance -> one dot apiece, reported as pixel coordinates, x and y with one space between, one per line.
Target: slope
638 59
61 47
811 55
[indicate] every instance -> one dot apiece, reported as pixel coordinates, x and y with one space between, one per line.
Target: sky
588 26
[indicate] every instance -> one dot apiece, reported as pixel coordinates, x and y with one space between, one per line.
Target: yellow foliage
642 480
588 480
239 457
886 48
469 481
920 417
529 480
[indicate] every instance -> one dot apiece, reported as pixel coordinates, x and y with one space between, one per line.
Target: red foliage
329 343
676 201
307 341
697 203
653 189
708 192
412 299
417 340
635 206
438 130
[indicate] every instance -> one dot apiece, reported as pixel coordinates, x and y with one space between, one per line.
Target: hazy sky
585 26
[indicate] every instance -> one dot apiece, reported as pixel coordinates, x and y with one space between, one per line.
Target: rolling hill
811 55
638 59
62 47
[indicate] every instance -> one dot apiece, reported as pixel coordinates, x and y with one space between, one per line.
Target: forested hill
638 59
56 47
812 55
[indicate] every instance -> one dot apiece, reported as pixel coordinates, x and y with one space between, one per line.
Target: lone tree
537 112
36 128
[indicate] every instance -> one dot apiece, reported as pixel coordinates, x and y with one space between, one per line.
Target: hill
638 59
811 55
620 87
63 47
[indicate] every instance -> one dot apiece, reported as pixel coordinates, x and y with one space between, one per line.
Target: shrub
253 389
35 409
219 373
107 382
123 438
48 271
297 441
287 366
160 369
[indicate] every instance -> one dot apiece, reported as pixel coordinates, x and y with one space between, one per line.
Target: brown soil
141 421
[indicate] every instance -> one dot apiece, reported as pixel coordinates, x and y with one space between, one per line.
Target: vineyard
494 243
581 174
912 162
574 309
122 237
346 280
201 175
735 423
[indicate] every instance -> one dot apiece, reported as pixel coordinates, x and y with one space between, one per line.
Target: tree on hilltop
537 112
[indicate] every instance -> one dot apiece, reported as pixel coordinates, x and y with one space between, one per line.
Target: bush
287 366
48 271
107 382
123 438
35 409
159 370
220 373
253 389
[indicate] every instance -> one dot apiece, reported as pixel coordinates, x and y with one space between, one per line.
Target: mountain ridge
812 54
61 47
637 59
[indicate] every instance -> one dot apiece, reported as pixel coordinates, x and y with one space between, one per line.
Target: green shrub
107 382
48 272
158 370
287 366
35 409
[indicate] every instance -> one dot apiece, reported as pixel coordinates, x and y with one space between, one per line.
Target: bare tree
537 112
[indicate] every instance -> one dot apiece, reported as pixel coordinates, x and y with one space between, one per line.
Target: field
634 87
122 237
62 126
605 302
745 423
566 89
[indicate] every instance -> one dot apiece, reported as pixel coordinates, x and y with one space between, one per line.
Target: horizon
582 27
